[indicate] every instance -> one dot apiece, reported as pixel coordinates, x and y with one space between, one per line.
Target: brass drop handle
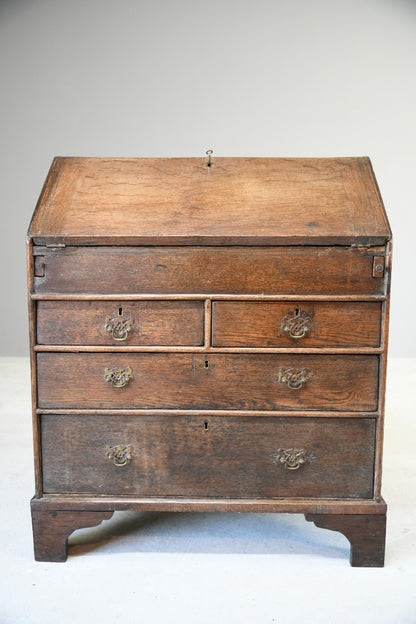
292 458
297 323
119 324
118 376
294 378
120 454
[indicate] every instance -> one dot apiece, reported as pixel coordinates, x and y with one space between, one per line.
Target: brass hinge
378 266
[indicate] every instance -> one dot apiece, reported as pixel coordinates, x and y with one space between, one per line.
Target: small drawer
248 381
297 324
190 270
178 323
241 457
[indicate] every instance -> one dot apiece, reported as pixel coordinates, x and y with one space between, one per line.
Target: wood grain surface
198 381
207 261
321 505
208 456
331 324
366 534
235 201
51 530
231 270
154 322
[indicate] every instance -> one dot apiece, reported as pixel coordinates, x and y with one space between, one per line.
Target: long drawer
296 324
178 323
208 456
239 270
200 381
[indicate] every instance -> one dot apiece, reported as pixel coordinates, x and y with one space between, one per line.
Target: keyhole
120 311
206 425
296 311
206 364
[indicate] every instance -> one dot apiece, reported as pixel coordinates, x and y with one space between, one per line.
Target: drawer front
201 381
116 323
297 324
211 456
238 270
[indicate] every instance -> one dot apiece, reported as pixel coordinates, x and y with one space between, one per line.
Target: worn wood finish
206 257
51 530
153 322
208 324
382 381
328 324
198 297
232 270
33 372
202 412
219 381
366 534
55 519
235 201
203 349
208 456
321 505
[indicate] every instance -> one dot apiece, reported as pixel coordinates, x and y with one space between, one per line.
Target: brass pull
297 324
119 325
120 454
118 376
294 378
291 459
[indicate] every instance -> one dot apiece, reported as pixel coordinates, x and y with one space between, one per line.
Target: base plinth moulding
365 531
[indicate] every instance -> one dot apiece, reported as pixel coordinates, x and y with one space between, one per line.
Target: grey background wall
242 77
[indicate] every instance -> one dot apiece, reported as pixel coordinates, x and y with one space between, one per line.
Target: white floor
206 568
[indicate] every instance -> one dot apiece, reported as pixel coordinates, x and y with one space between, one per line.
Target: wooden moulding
382 378
199 295
33 369
362 522
201 412
284 505
208 323
203 349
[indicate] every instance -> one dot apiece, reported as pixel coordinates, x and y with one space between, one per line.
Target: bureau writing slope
209 336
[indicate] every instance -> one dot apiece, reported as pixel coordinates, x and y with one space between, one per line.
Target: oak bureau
209 334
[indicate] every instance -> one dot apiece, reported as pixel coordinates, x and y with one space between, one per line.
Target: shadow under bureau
209 336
